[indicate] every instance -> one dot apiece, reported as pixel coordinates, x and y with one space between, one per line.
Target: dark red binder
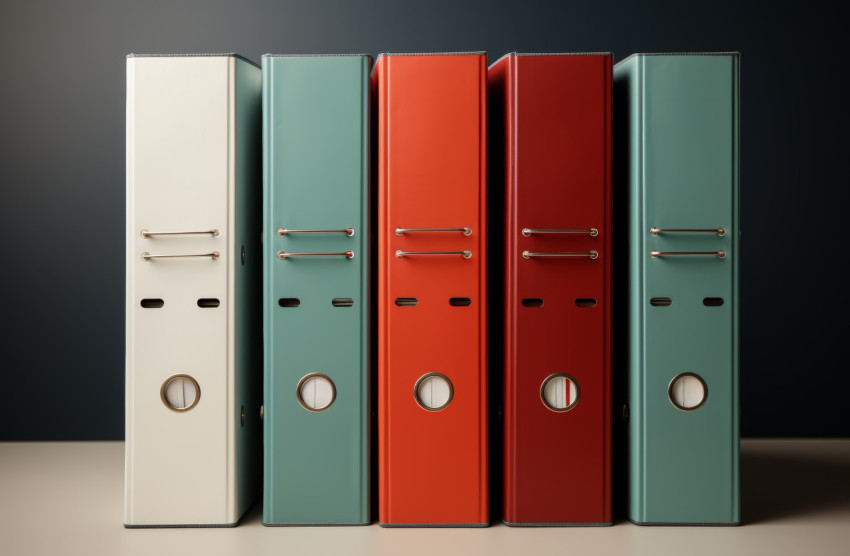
556 114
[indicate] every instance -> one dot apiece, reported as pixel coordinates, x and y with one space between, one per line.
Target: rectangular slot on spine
713 302
342 302
460 302
660 301
406 301
289 302
532 302
152 303
585 302
208 302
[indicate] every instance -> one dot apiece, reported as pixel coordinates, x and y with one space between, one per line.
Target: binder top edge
270 55
197 55
523 54
734 53
470 53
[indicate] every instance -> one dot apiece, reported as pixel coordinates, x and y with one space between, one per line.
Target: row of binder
318 218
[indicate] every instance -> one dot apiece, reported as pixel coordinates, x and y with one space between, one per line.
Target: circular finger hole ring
687 391
433 392
559 392
180 393
316 392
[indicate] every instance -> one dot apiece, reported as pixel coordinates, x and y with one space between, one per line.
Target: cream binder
193 290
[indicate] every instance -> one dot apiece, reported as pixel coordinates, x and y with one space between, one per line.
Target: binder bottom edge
328 524
194 525
535 524
433 525
186 526
684 523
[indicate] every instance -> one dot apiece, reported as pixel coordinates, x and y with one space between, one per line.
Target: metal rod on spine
718 254
530 255
283 255
402 231
147 256
720 232
147 234
403 254
527 232
283 232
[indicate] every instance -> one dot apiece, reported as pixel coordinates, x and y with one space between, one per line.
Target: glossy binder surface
431 175
193 167
316 308
680 116
557 143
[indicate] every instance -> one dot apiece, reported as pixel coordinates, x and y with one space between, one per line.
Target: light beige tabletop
67 498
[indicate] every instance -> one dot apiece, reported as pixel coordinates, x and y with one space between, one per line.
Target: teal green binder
678 116
316 289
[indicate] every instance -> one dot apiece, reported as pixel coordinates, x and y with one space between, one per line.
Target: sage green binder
678 119
316 289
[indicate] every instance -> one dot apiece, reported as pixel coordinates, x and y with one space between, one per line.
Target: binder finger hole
532 302
406 301
713 302
687 392
316 392
460 302
152 303
433 392
289 302
559 392
660 301
180 393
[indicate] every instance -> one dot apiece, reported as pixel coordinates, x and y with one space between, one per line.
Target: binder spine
499 81
483 223
129 304
269 382
734 378
365 516
379 92
246 291
633 89
231 401
608 318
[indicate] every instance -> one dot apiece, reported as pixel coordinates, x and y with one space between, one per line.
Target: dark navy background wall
62 174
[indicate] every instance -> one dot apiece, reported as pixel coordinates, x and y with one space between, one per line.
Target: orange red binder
431 256
554 113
